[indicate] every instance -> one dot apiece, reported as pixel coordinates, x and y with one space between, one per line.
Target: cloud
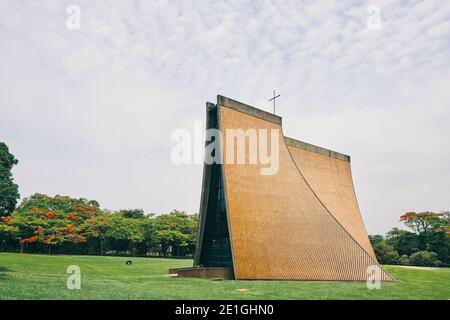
90 112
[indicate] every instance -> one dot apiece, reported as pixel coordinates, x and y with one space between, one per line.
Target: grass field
24 276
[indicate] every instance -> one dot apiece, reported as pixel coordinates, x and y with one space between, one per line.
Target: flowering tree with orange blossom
62 224
428 225
432 231
51 227
424 222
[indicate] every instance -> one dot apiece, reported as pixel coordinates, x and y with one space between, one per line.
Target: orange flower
408 216
73 216
29 239
7 220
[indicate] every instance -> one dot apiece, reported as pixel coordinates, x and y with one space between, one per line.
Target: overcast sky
90 112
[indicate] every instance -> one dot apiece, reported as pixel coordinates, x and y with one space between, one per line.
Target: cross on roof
273 99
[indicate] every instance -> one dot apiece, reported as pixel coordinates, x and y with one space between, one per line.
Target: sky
89 111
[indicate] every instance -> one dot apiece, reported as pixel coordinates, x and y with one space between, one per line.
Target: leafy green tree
8 233
9 191
386 254
405 242
7 230
149 242
118 230
97 229
171 239
433 232
177 230
439 242
423 223
404 260
374 239
58 202
25 224
135 235
424 258
132 213
127 230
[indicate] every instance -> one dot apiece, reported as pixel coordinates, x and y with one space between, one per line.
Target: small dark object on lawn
129 262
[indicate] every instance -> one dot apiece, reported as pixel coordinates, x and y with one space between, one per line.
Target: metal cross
273 99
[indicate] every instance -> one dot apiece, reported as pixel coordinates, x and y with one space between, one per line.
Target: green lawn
24 276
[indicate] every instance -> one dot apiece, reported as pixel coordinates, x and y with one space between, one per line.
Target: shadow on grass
4 273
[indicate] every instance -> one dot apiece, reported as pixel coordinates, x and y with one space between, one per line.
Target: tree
439 242
177 230
135 234
62 224
125 230
8 233
58 202
52 221
386 254
433 232
132 213
424 258
9 191
405 242
374 239
97 228
149 237
50 227
404 260
421 222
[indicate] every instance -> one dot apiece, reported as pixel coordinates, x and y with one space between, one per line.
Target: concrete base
217 273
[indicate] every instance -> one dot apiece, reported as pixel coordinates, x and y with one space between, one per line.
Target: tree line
427 244
60 224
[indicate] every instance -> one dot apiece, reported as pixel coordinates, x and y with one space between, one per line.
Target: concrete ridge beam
310 147
245 108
